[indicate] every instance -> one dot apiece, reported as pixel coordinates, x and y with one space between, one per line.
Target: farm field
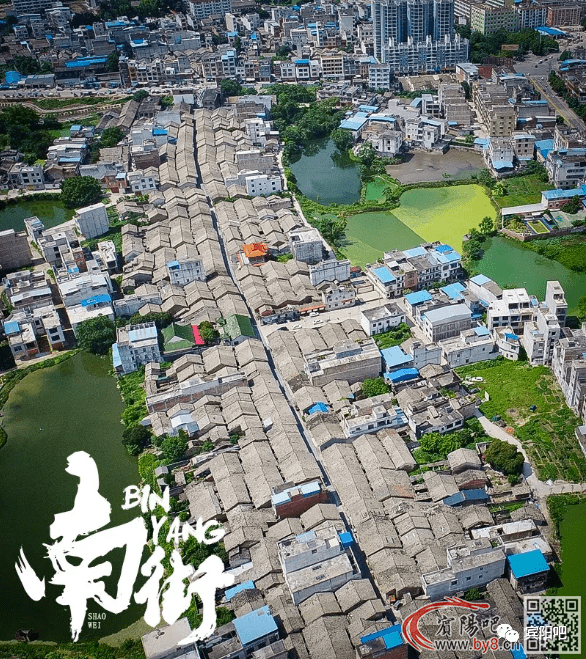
547 433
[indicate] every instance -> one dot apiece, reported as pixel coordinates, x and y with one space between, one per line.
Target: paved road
558 103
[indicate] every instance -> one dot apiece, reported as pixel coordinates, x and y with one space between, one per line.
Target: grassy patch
60 103
567 250
134 397
130 649
522 190
547 433
538 226
393 337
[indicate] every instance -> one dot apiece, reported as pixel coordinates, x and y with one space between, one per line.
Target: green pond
444 214
368 235
51 213
510 264
50 414
573 535
325 175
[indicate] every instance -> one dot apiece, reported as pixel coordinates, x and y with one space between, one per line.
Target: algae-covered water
51 213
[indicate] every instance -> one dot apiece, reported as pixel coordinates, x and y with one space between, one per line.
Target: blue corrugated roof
480 279
563 194
116 361
149 332
414 251
453 291
353 123
384 275
318 407
394 356
245 585
418 297
160 131
466 495
11 327
481 331
96 299
529 562
307 489
255 625
391 636
511 337
442 249
502 164
402 375
85 61
346 538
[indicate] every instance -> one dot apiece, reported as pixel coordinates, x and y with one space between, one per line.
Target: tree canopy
135 439
207 331
174 448
80 191
375 387
21 128
504 457
96 334
342 138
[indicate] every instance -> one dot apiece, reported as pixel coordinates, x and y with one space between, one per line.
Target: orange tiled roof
255 250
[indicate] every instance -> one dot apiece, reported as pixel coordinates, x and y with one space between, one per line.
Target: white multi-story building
261 184
92 220
306 244
514 309
26 176
143 181
445 322
203 8
336 296
473 564
381 319
183 271
329 270
136 345
473 345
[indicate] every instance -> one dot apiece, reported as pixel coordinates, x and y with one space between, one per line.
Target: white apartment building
336 296
381 319
473 564
143 181
514 309
445 322
136 345
261 184
183 271
92 220
26 176
203 8
329 270
471 346
306 244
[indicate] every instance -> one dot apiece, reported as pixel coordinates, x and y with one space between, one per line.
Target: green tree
367 154
342 138
229 87
80 191
140 95
27 66
207 331
135 439
466 88
566 54
486 225
110 137
333 230
581 312
375 387
112 61
174 448
96 334
504 457
572 206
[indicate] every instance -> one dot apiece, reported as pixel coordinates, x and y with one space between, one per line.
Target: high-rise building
425 27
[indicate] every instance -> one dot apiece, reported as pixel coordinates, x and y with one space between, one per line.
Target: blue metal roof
414 251
402 375
255 625
346 538
442 249
116 361
384 275
302 61
448 257
563 194
418 297
11 327
527 563
368 108
143 333
511 337
481 331
12 77
353 123
307 489
96 299
391 636
394 356
502 164
245 585
480 279
160 131
318 407
85 61
466 495
453 291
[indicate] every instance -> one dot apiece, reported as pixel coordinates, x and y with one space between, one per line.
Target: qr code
552 624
